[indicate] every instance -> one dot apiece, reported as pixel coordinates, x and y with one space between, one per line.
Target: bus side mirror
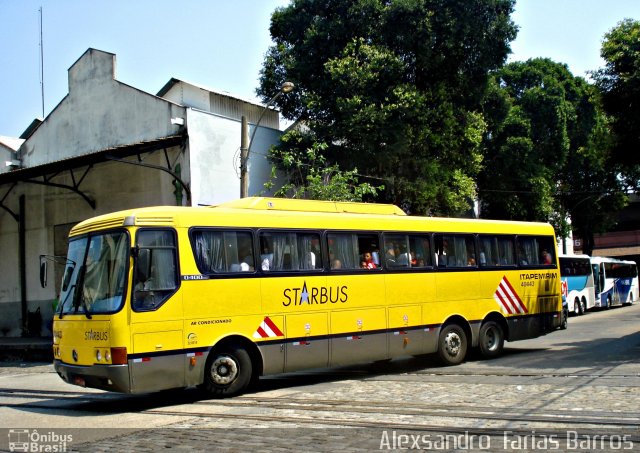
43 271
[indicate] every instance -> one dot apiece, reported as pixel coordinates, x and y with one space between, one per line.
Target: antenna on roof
41 63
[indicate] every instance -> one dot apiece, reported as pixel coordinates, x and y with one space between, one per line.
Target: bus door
358 319
294 283
156 313
408 289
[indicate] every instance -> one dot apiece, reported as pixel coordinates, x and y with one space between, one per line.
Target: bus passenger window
420 251
156 269
347 251
536 251
290 251
223 251
496 251
455 250
397 251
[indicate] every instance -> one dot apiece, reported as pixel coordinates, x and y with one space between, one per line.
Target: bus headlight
107 356
98 356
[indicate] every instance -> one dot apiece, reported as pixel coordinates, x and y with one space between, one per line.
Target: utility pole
244 157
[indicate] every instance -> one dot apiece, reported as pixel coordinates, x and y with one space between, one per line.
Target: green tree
619 82
548 149
393 89
309 176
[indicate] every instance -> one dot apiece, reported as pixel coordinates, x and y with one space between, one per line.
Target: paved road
577 390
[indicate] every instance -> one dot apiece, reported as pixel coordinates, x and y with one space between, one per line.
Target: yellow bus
168 297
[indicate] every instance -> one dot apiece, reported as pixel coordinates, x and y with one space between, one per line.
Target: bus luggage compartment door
403 339
358 336
307 341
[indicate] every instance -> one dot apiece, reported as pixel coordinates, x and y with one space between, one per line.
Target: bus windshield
94 280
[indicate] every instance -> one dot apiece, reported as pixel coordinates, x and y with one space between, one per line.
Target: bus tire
228 371
608 306
452 345
491 339
564 321
583 301
577 307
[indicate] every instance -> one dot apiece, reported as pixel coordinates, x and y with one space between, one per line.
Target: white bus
616 281
578 286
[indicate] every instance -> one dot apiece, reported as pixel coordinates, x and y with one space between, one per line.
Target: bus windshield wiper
79 295
60 310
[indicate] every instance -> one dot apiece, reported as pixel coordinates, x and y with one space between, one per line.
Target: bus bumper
114 378
525 327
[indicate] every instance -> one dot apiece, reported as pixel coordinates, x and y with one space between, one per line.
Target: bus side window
455 250
420 251
290 251
156 276
219 251
496 251
348 250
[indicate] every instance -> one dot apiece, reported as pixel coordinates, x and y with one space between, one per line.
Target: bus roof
290 204
286 213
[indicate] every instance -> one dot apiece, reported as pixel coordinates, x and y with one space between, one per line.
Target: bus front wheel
452 345
491 339
228 371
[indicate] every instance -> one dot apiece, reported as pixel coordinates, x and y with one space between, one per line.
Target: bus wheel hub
224 370
452 344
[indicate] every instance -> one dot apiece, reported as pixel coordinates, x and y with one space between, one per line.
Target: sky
221 44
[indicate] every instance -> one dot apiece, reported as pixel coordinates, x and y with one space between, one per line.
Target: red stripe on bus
273 327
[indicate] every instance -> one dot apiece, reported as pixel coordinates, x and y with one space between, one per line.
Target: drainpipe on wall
22 262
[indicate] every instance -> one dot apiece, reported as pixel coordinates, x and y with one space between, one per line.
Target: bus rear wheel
452 345
228 371
577 307
491 339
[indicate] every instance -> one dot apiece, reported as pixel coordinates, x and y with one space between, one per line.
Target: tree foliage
547 144
309 176
619 82
392 88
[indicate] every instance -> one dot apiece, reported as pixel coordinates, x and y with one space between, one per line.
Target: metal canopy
43 174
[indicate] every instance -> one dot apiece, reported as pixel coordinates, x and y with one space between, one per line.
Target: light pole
245 151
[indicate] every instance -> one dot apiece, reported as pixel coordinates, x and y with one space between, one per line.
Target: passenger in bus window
390 256
267 257
367 261
403 256
375 254
546 257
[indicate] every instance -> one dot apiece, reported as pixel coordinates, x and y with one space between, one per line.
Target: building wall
214 153
114 186
98 113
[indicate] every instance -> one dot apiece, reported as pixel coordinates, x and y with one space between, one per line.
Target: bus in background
577 283
616 281
167 297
